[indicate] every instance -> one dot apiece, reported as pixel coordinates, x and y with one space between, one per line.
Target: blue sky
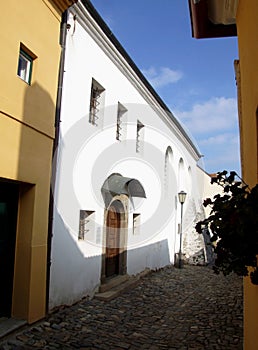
195 78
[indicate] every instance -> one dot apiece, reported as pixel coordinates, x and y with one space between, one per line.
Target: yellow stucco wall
26 137
247 19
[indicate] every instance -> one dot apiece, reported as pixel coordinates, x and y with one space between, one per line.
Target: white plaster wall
88 155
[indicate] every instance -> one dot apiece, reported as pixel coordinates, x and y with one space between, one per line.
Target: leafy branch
233 222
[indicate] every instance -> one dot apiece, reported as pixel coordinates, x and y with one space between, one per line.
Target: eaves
94 25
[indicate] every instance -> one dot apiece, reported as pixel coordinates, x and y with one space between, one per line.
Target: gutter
62 42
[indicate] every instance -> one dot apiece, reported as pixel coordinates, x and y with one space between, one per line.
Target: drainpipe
62 41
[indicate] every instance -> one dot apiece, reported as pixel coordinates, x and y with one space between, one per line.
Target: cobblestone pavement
187 309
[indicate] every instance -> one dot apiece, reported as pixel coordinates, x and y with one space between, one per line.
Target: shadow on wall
33 173
39 108
152 256
74 276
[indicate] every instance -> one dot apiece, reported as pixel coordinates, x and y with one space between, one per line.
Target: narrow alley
188 308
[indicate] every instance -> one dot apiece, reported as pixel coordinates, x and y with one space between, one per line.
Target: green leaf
234 225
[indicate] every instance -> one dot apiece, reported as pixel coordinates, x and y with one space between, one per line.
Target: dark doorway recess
9 196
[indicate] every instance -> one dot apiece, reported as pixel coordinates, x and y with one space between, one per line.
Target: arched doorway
114 258
116 192
112 241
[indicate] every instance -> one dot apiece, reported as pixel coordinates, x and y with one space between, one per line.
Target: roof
212 18
62 5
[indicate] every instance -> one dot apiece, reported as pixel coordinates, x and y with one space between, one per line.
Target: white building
121 160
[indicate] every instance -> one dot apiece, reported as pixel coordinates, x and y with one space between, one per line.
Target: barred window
120 127
139 137
96 102
86 224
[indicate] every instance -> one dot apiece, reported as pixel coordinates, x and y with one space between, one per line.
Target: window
168 171
86 226
181 175
96 102
24 70
139 137
136 224
120 131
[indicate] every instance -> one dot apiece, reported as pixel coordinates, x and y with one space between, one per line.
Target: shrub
233 222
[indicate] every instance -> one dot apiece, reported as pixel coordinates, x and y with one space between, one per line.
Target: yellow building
30 54
225 18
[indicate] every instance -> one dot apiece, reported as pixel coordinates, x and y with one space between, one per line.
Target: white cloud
214 124
228 159
221 152
216 114
220 139
162 77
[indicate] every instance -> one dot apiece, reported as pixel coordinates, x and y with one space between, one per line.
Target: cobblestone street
191 308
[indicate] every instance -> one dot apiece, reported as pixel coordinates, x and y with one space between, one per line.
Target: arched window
189 179
181 175
168 170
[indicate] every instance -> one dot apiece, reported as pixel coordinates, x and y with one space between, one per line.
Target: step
119 284
8 325
113 282
118 289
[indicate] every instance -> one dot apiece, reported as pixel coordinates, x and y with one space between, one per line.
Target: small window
96 102
139 137
120 131
136 224
24 70
86 227
181 175
168 172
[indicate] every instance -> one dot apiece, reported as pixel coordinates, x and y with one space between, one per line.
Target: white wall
88 154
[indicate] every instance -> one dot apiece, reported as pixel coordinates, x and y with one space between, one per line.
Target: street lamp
181 198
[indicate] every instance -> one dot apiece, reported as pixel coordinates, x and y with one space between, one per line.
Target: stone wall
196 247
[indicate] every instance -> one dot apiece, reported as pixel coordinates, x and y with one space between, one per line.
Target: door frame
120 203
112 265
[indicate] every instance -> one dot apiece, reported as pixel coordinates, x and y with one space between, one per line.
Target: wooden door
112 242
8 218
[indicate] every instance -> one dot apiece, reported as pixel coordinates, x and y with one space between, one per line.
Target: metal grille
85 218
121 110
94 105
139 127
118 126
